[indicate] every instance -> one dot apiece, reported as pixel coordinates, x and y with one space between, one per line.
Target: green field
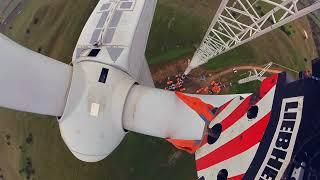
275 46
176 32
138 157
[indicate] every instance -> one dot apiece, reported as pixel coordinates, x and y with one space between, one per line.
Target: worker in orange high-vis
216 89
206 90
199 90
169 82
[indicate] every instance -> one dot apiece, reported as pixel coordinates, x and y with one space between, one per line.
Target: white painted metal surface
120 29
239 127
91 125
298 172
295 129
239 163
114 38
239 21
160 113
145 77
235 165
30 81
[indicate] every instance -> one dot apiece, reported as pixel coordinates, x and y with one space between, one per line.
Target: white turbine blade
145 77
162 114
30 81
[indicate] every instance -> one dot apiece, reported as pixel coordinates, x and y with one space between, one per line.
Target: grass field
171 27
275 46
59 24
290 50
178 28
170 55
174 33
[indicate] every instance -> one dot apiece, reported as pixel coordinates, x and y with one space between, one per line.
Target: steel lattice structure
255 75
239 21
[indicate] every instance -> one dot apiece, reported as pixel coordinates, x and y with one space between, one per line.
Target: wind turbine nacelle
91 125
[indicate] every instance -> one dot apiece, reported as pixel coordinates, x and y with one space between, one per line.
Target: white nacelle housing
91 125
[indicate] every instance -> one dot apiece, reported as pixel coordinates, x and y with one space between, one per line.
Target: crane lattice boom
239 21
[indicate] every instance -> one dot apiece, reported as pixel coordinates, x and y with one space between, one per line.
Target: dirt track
230 70
160 72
